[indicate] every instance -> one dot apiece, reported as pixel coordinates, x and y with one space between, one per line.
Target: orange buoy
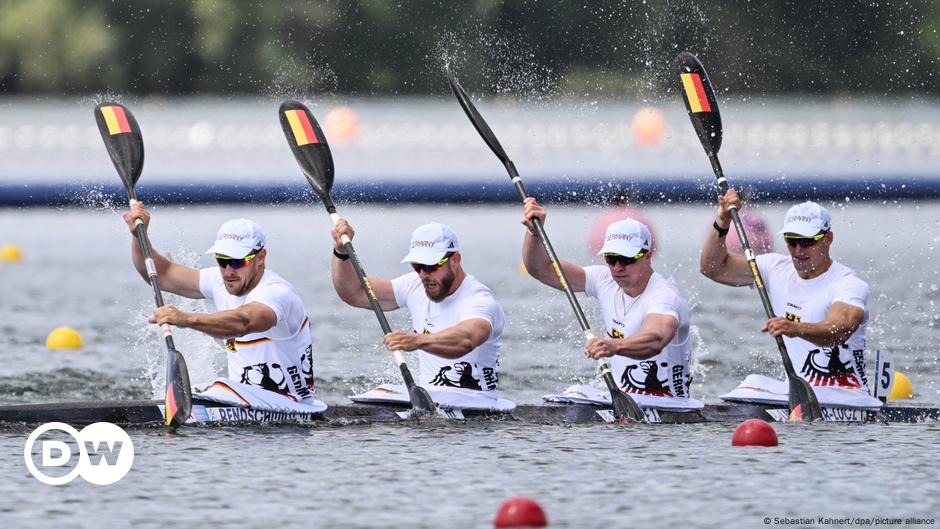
754 432
341 125
520 512
648 127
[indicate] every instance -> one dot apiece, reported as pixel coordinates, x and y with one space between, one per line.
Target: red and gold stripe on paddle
301 127
695 92
116 119
171 408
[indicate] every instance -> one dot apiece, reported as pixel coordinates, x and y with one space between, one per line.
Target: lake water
77 272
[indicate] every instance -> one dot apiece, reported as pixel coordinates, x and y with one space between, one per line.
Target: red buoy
754 432
520 512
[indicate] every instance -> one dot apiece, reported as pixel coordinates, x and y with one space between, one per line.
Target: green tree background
387 47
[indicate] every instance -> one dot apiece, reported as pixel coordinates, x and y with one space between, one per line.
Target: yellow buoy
902 387
10 253
64 338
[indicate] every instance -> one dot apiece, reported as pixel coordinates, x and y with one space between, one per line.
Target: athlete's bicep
478 330
260 316
662 325
180 280
575 274
384 292
845 315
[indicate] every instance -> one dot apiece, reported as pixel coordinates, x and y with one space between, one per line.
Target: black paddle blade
121 136
308 143
625 408
804 406
478 122
179 394
420 398
699 98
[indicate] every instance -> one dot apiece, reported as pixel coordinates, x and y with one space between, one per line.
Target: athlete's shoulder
664 288
845 276
472 286
272 282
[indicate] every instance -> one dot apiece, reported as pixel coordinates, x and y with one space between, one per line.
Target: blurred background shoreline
422 149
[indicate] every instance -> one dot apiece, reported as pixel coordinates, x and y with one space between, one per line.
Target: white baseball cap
430 243
626 237
238 238
806 219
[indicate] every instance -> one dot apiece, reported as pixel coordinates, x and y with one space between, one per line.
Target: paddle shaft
152 274
751 261
367 288
560 272
624 406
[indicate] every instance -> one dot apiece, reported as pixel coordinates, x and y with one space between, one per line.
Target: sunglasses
225 260
804 242
431 268
614 258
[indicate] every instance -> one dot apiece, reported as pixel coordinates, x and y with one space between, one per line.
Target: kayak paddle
700 102
625 408
125 145
312 152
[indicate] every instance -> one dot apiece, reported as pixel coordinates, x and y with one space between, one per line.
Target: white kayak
226 391
760 389
583 394
447 398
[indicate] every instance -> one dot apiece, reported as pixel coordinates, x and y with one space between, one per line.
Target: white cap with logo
806 219
626 237
238 238
430 243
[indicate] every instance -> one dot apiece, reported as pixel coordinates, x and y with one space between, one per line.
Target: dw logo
105 453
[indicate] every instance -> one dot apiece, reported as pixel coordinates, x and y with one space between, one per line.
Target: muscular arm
539 266
346 282
715 262
535 256
655 334
842 320
233 323
173 277
347 286
452 342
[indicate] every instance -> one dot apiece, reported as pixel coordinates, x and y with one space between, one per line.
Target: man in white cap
458 324
820 304
258 314
646 319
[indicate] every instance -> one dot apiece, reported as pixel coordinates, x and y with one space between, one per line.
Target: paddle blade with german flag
122 137
179 397
309 146
699 98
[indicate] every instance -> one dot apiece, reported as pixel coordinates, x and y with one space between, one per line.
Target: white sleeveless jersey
809 301
279 359
668 373
478 369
